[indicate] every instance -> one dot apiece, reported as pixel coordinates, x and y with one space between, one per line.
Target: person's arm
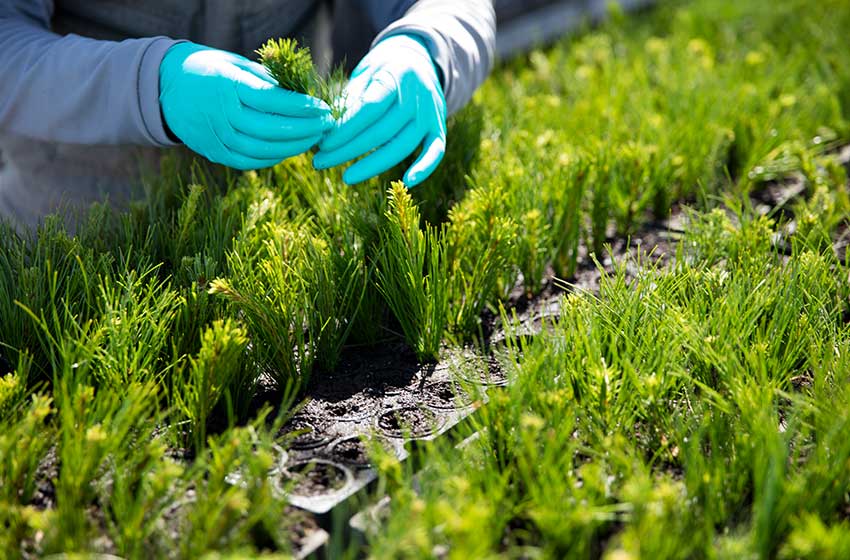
78 90
459 35
74 89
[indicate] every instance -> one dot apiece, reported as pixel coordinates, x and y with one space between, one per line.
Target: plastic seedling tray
311 543
391 399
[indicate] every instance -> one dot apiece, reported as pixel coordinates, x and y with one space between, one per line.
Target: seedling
210 374
273 294
412 274
481 243
292 67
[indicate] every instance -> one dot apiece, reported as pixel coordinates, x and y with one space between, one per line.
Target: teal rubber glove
394 104
231 111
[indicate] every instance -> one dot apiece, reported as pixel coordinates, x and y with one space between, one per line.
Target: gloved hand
231 111
393 104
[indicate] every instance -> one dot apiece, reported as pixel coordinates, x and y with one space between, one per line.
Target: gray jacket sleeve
460 34
74 89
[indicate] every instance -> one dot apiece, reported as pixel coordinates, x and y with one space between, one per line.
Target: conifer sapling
292 67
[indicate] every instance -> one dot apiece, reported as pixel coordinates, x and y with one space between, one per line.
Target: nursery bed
659 208
385 394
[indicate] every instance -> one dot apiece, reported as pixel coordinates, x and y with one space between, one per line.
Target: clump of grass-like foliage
719 382
210 374
292 67
412 274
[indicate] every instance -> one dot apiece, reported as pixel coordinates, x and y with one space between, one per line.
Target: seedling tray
387 398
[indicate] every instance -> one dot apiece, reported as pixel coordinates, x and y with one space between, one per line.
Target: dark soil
310 432
384 370
496 374
44 496
315 478
350 451
445 395
5 365
183 455
351 409
409 421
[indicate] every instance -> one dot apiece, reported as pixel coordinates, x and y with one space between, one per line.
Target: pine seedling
48 277
23 443
412 274
600 205
292 67
337 284
212 372
475 274
482 246
97 430
272 284
131 338
233 512
564 201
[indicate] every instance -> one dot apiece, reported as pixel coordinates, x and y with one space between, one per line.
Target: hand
393 104
231 111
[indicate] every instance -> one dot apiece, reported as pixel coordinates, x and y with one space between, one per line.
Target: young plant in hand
292 67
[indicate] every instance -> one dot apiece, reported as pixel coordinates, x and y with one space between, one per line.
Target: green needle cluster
292 67
412 274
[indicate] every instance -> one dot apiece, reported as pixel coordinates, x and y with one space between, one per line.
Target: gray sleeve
461 36
74 89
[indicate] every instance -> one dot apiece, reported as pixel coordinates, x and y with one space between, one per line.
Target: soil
310 431
183 455
496 374
445 395
409 421
384 370
44 496
315 478
351 409
350 451
5 365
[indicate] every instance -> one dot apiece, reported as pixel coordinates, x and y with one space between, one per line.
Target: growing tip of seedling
292 67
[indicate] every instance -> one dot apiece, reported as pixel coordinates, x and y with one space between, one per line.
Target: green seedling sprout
292 67
210 374
412 274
